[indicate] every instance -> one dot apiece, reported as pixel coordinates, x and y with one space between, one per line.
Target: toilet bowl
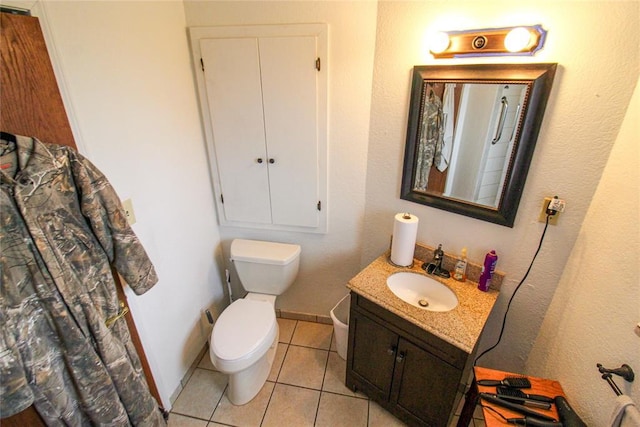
244 339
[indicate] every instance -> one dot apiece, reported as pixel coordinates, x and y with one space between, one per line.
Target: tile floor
305 388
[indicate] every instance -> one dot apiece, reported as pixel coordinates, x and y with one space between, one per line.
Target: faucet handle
438 254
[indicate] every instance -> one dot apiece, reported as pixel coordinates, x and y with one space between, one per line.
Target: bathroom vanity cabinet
413 362
407 370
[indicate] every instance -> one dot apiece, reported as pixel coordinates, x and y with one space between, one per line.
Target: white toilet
245 337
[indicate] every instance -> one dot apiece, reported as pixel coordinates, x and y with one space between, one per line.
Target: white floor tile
249 415
303 367
201 394
291 406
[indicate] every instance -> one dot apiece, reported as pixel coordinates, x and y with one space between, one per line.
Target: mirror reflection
466 138
471 133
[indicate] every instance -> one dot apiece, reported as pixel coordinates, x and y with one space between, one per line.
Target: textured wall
597 303
590 95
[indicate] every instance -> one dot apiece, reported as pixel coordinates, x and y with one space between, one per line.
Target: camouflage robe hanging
62 230
429 140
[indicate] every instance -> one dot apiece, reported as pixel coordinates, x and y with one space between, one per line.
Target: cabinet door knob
259 160
391 350
400 357
272 161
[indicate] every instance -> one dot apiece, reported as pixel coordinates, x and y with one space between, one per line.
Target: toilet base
246 384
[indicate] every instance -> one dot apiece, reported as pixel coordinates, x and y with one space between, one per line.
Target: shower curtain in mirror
63 346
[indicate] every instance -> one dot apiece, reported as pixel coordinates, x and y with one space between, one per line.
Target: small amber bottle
460 270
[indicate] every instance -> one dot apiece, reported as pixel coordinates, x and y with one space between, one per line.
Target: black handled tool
566 413
526 402
513 382
493 398
534 422
512 392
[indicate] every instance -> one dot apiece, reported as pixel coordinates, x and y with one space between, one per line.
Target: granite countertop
461 326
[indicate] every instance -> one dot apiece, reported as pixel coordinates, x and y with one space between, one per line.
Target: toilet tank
265 267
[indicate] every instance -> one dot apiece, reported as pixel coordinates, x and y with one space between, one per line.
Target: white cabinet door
290 109
263 105
233 87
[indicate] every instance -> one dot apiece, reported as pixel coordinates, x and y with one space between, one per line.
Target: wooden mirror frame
538 78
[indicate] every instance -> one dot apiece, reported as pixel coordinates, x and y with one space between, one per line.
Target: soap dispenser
460 270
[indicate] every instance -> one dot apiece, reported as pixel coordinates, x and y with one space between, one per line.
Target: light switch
128 210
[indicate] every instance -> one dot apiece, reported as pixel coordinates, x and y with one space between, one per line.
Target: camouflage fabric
62 229
430 140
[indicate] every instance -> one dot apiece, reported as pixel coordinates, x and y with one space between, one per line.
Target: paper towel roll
405 230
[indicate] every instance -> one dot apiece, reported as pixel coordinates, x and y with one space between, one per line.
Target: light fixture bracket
490 42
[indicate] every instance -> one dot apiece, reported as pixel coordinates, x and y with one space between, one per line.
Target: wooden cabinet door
373 356
424 386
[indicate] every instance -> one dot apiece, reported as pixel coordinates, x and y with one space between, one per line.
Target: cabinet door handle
392 350
259 160
272 161
400 357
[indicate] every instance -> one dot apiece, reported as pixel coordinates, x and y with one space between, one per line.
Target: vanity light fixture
524 40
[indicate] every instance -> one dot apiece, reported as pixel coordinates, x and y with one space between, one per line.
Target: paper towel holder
399 266
389 255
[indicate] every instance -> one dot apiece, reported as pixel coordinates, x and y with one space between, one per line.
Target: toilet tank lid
264 252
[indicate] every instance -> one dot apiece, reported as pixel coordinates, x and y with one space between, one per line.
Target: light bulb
517 39
438 42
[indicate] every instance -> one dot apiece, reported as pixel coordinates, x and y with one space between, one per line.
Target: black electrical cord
494 412
523 421
504 319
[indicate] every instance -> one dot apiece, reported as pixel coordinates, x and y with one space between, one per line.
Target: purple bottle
488 268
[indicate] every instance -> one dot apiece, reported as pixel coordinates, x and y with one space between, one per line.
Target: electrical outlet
128 210
557 205
553 220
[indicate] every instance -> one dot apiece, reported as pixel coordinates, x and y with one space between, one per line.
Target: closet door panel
289 84
234 95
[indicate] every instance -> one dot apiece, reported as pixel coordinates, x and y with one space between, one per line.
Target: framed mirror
471 134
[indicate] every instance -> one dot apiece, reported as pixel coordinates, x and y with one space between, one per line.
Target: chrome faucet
435 266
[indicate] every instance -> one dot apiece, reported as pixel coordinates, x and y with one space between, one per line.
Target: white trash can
340 316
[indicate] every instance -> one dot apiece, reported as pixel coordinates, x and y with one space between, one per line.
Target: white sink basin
422 291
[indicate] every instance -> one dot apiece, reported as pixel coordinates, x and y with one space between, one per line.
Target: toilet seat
243 333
